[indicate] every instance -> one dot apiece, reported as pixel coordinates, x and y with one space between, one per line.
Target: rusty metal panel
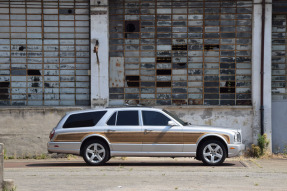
117 72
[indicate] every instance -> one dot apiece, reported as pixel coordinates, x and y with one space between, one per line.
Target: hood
215 129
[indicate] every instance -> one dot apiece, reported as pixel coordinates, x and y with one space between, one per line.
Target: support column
268 72
256 58
256 67
99 25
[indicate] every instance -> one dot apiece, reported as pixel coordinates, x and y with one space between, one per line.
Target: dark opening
131 27
133 81
21 48
35 85
163 59
163 72
179 47
34 73
66 11
163 84
229 87
132 78
133 84
46 85
210 46
4 90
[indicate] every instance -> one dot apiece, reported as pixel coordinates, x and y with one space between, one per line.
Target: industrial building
213 62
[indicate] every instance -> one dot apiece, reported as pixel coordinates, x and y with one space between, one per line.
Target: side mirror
171 123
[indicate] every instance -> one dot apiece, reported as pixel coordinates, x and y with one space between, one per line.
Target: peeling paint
207 113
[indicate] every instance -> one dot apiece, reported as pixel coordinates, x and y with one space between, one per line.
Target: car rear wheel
212 152
96 153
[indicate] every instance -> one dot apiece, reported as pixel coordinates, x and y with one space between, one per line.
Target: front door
158 136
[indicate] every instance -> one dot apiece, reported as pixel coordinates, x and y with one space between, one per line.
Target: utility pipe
262 70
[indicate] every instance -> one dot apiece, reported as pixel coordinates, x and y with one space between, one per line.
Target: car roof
113 109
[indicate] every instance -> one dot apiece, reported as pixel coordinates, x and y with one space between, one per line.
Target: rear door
124 131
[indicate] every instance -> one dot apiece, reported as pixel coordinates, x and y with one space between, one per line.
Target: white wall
99 70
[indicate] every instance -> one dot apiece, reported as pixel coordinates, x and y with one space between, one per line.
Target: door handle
146 131
111 130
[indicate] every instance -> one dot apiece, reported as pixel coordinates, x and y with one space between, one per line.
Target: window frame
115 112
170 119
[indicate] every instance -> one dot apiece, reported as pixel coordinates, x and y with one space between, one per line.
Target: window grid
44 52
214 67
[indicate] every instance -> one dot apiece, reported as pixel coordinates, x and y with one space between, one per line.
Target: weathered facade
45 53
200 59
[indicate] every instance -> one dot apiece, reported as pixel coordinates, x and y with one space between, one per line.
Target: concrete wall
239 117
25 131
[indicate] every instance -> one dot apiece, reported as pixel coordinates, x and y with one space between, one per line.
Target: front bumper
235 149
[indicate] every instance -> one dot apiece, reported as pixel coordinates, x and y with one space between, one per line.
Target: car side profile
98 135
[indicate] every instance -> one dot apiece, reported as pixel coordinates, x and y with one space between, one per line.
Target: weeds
12 189
5 154
260 149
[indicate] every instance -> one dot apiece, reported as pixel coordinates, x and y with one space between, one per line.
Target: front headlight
237 137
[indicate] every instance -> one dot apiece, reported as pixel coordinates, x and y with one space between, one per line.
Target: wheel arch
94 138
207 138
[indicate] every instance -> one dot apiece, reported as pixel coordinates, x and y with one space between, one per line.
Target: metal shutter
44 53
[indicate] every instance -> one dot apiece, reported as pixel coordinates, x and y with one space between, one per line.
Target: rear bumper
64 147
235 149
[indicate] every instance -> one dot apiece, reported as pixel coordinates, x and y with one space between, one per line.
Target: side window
153 118
88 119
112 120
128 118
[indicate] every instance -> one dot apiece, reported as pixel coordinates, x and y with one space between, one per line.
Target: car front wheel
212 152
96 153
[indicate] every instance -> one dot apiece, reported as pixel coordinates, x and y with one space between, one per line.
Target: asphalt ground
147 174
115 162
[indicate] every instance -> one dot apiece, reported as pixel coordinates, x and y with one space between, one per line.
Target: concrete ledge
205 107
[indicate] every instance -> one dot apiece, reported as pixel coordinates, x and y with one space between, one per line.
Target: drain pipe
262 70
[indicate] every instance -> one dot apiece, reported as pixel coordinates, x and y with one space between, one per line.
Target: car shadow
137 164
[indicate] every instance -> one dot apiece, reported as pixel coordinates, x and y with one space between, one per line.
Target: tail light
52 133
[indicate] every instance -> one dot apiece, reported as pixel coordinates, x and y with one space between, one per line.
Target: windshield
176 118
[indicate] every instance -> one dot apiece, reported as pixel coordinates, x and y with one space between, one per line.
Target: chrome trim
156 154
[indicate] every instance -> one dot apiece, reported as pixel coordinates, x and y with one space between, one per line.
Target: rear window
88 119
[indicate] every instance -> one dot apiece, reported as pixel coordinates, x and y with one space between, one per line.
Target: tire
212 152
96 153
